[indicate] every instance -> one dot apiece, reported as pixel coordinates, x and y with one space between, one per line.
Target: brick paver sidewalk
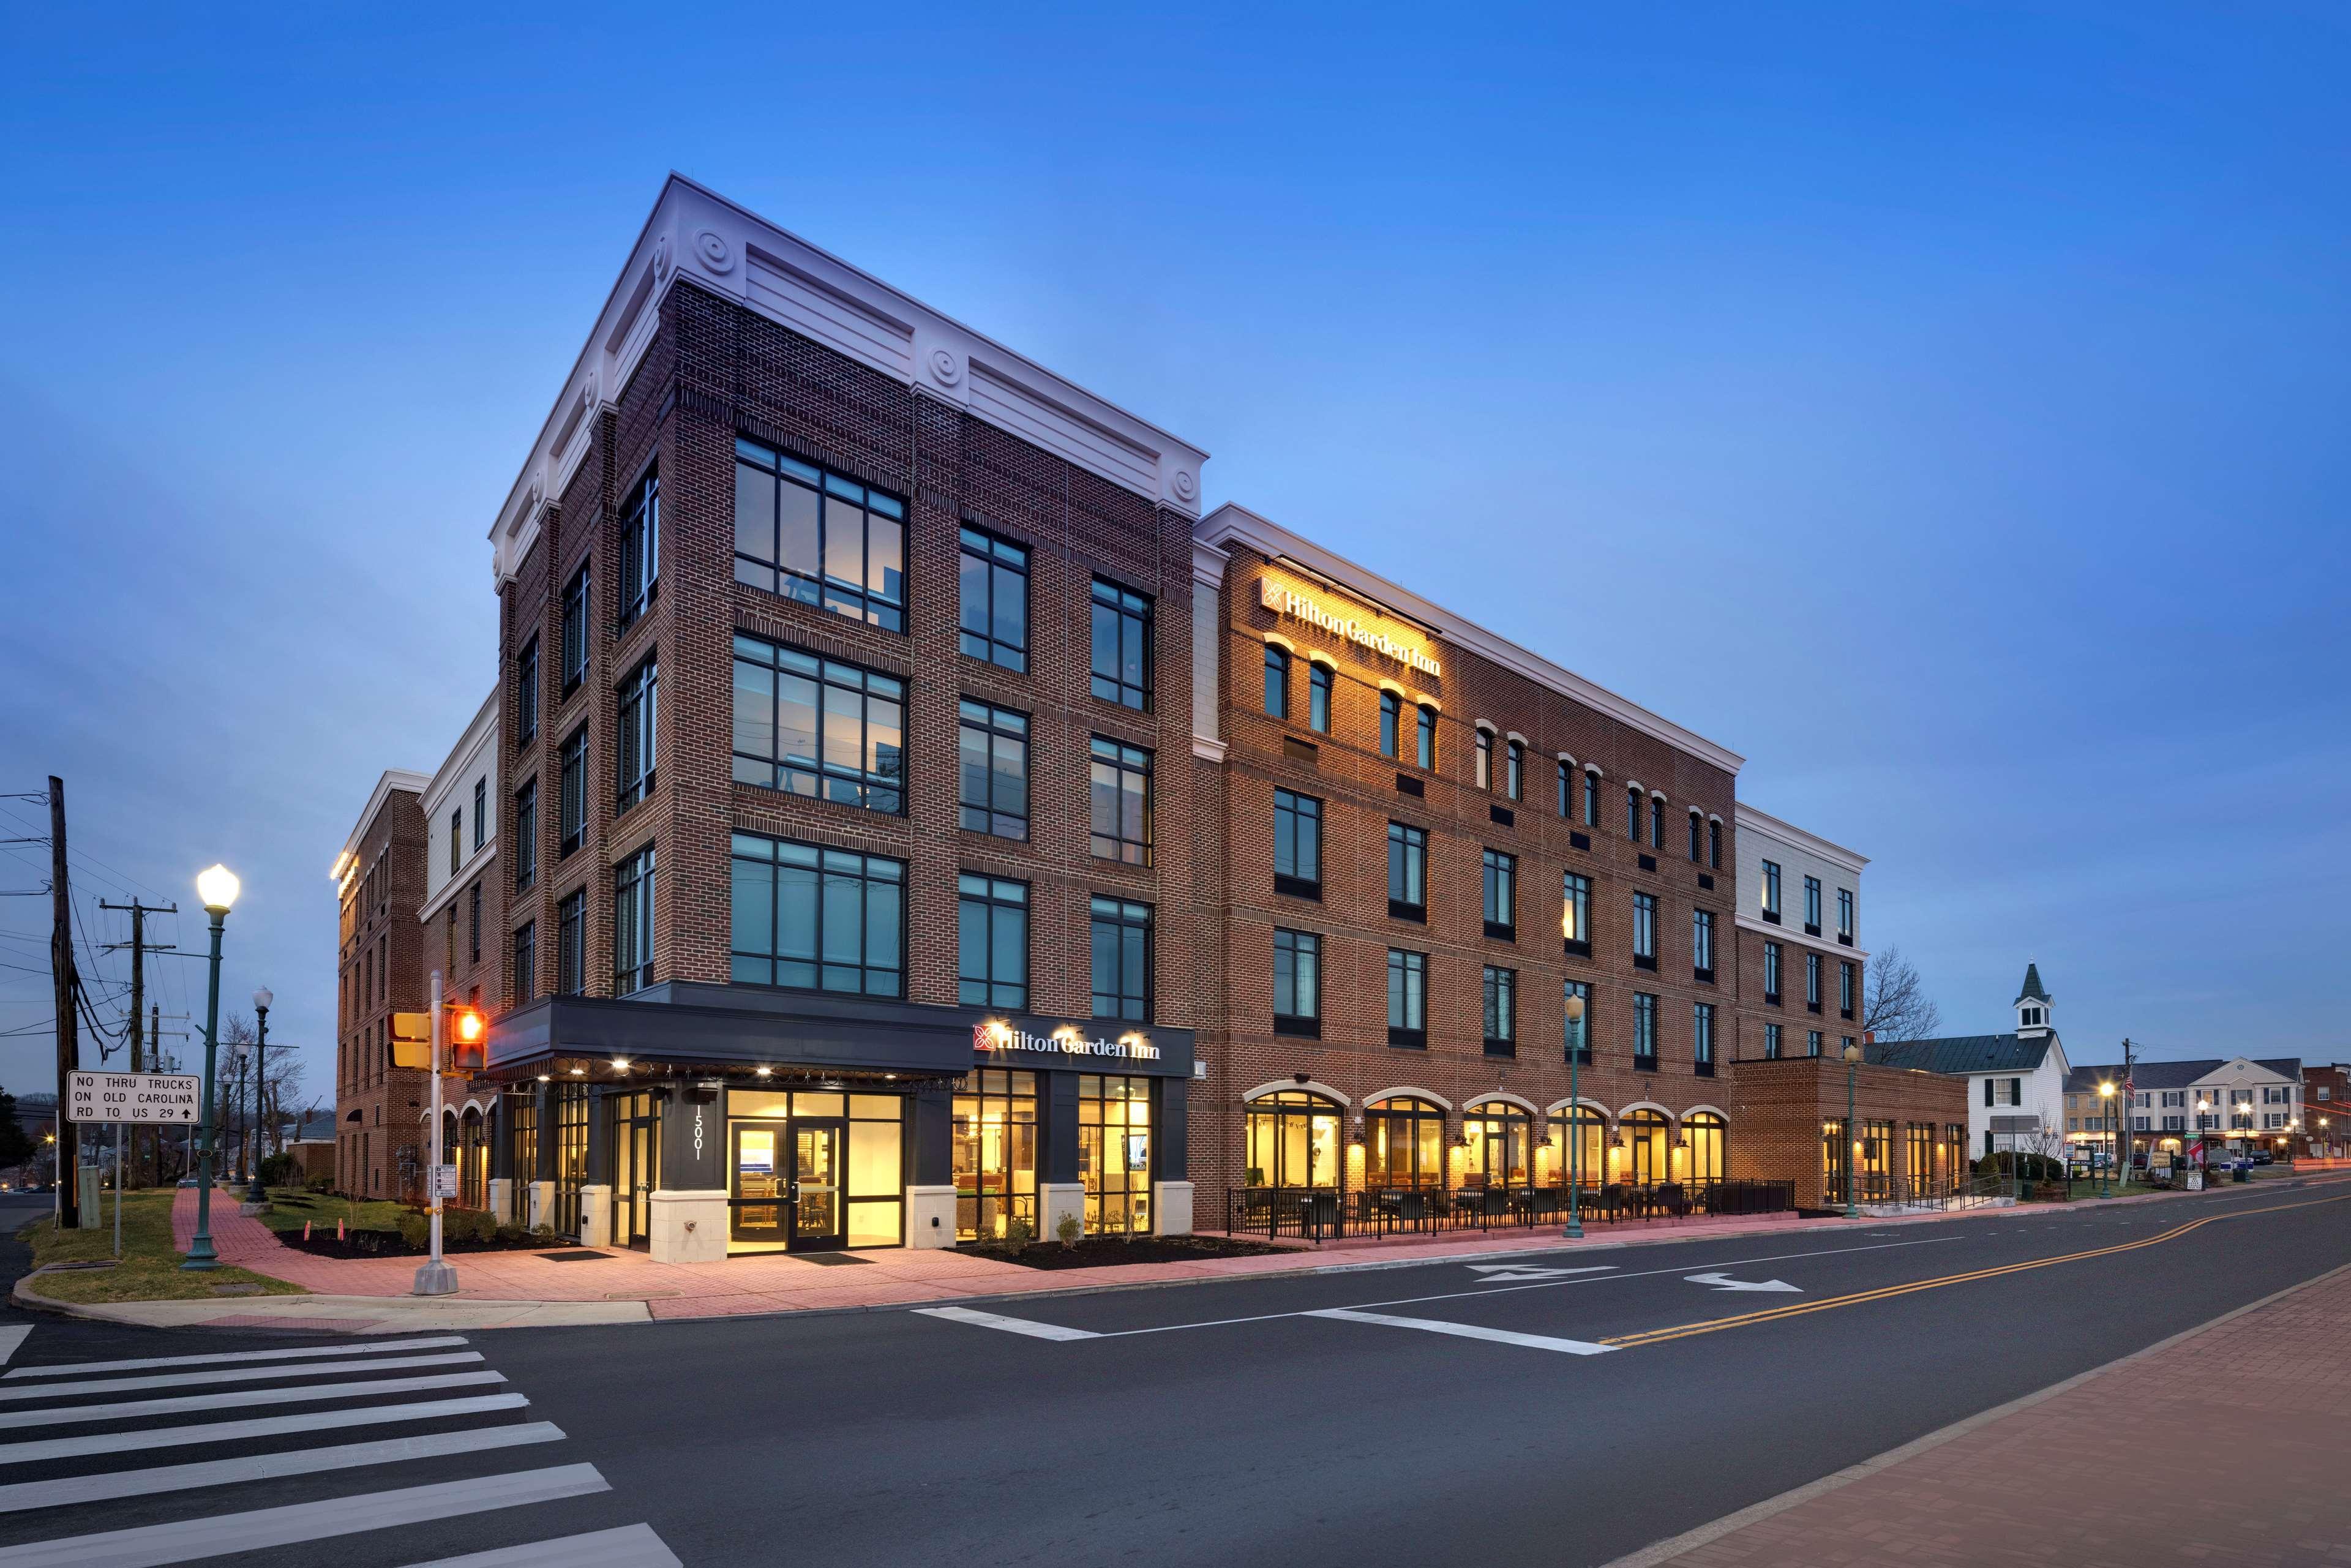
2223 1447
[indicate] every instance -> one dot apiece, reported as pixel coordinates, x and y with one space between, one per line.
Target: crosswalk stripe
101 1488
373 1348
630 1546
262 1427
1010 1325
233 1374
244 1398
11 1337
1467 1331
186 1540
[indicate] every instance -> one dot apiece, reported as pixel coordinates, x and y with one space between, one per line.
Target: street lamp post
239 1053
217 887
1851 1056
1574 1121
2107 1105
261 1000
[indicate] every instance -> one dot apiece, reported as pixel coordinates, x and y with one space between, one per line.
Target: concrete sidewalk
2222 1445
529 1288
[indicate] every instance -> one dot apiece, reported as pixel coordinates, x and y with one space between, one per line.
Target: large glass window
1121 802
527 693
1501 1010
633 750
1710 1139
1647 1159
1714 844
1502 1145
1811 906
995 1153
570 938
1293 1141
1772 890
1702 1038
1114 1154
992 770
1297 982
1591 797
1483 758
1566 787
818 537
1702 944
1813 981
1297 844
526 962
640 548
525 844
1277 681
1514 770
1698 836
991 942
1575 912
1772 973
1122 645
993 588
1579 1030
1501 879
1428 739
1645 1031
572 826
1318 679
1633 814
817 919
1121 941
1404 1144
1770 1042
1845 912
820 727
1391 723
1407 998
1657 821
632 922
1407 872
575 630
1584 1153
1644 930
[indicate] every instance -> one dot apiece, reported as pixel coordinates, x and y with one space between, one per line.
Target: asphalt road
1552 1417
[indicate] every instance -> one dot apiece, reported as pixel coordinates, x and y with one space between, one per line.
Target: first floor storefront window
1502 1145
1708 1138
1643 1134
1837 1160
1114 1154
570 1155
814 1170
1404 1144
1918 1155
1876 1153
1293 1141
995 1153
1580 1152
636 1165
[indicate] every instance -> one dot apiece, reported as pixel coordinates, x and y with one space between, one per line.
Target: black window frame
1702 946
1298 838
820 865
640 548
1773 975
1592 798
1514 769
1846 987
817 778
861 600
1657 822
633 922
1499 872
1305 982
473 922
1276 681
1424 738
1771 892
1122 760
992 898
571 942
526 962
1845 921
1118 606
571 802
1714 844
578 595
636 716
1407 981
525 844
1497 1016
994 726
997 558
1811 906
1129 922
1644 930
1391 725
1644 1024
526 683
1322 692
456 839
481 811
1575 912
1702 1052
1408 859
1812 988
1482 759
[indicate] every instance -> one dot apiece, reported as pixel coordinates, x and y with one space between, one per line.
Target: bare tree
1895 1004
281 1085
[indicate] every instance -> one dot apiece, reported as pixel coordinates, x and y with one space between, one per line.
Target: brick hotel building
916 820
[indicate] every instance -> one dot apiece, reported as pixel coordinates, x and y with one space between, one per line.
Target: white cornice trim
1209 750
1796 935
1208 564
394 781
1407 1091
474 865
695 234
1500 1096
479 731
1233 524
1788 832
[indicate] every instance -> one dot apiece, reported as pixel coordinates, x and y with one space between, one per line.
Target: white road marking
231 1375
630 1546
1721 1281
1010 1325
183 1541
10 1338
244 1398
1467 1331
262 1427
374 1347
112 1484
1508 1273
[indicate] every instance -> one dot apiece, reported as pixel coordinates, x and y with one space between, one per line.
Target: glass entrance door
758 1206
636 1168
815 1193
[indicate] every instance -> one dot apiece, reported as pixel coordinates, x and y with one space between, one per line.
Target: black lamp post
261 1000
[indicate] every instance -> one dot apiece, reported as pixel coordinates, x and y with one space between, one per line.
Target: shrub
1018 1234
279 1170
508 1234
414 1228
322 1185
1069 1229
469 1225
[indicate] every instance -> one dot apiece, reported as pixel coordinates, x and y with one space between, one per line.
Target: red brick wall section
1777 1110
376 1105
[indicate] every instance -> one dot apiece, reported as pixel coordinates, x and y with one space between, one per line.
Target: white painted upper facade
695 234
1764 840
2039 1095
461 806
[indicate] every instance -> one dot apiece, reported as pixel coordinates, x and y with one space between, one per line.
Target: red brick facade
1911 1127
378 1138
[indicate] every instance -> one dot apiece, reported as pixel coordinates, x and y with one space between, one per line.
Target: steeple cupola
2032 1006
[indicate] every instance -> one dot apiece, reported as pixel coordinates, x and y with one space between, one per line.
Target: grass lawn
290 1207
150 1270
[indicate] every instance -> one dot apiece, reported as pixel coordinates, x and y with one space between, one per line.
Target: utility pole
138 913
2129 1099
61 972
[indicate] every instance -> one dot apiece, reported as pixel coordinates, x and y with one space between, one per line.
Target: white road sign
445 1181
143 1097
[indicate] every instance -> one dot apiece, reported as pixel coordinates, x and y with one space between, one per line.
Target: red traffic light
468 1031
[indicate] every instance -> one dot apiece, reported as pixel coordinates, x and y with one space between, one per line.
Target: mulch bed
1099 1251
388 1244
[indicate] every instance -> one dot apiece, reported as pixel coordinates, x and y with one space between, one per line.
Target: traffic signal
468 1036
412 1040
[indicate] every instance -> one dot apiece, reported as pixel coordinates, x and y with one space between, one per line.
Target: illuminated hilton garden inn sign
996 1034
1298 606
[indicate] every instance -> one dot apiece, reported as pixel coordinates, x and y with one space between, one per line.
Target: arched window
1318 697
1591 797
1697 846
1657 821
1514 771
1563 789
1428 739
1633 812
1485 759
1293 1141
1391 723
1709 1154
1714 844
1277 681
1502 1145
1582 1146
1404 1144
1643 1161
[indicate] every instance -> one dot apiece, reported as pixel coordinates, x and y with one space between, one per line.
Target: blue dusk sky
1943 406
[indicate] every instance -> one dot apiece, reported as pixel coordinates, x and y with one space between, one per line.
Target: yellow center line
1797 1309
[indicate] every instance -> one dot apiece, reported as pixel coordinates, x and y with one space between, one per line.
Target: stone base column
539 1206
1055 1199
930 1216
502 1197
595 1217
1172 1201
687 1227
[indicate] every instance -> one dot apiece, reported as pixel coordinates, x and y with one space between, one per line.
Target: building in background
464 916
378 886
2233 1106
2016 1081
1800 958
2326 1110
